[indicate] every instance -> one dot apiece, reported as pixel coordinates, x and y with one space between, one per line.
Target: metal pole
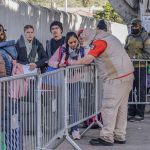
66 5
38 98
66 114
96 97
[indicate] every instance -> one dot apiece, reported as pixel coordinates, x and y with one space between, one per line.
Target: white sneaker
76 135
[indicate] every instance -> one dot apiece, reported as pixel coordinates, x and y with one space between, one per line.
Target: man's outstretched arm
99 47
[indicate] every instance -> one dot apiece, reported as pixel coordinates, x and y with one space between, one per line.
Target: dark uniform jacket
138 46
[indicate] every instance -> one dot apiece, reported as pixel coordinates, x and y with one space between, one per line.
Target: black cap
56 23
102 25
136 22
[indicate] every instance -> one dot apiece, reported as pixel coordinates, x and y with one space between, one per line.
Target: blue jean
74 96
138 109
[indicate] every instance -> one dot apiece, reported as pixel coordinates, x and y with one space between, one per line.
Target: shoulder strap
61 51
82 52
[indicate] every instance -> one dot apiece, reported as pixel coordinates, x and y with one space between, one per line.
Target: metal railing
36 109
18 112
52 102
141 87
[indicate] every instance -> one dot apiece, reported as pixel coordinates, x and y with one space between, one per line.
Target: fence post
96 97
38 100
66 102
66 113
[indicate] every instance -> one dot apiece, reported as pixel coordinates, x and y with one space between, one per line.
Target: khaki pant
114 108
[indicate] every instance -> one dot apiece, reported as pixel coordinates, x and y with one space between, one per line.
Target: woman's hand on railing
61 65
32 66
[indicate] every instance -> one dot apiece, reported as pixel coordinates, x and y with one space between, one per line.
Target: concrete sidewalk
138 138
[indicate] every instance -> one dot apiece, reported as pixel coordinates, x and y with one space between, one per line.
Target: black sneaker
131 118
139 118
119 142
100 142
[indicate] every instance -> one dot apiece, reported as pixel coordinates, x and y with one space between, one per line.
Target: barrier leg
67 137
87 129
91 125
96 106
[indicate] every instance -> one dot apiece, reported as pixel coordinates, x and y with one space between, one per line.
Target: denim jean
74 96
138 109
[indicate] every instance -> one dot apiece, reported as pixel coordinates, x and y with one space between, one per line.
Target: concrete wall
14 15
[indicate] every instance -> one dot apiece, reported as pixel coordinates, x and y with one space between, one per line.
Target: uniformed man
138 47
116 70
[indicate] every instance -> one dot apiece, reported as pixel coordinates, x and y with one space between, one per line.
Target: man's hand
86 60
61 65
32 66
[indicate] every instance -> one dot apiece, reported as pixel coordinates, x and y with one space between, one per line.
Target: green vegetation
108 13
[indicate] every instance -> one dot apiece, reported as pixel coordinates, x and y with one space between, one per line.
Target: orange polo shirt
98 48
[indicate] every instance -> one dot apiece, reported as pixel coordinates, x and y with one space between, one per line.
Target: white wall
120 31
15 15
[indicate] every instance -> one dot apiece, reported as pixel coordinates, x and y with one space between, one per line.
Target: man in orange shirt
116 70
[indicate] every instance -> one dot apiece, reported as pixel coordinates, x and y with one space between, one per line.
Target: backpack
82 52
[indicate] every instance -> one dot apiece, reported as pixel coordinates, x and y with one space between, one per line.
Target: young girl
64 56
68 54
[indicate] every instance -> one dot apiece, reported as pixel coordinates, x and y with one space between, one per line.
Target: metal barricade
82 97
67 99
52 122
81 94
37 109
18 113
141 87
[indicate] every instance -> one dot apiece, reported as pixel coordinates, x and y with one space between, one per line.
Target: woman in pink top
67 54
64 56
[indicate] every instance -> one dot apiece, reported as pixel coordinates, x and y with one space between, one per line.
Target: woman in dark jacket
30 50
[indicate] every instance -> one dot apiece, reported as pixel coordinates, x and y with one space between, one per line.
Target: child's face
2 34
73 42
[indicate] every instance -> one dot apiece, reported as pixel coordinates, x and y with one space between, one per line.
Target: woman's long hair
4 34
68 36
